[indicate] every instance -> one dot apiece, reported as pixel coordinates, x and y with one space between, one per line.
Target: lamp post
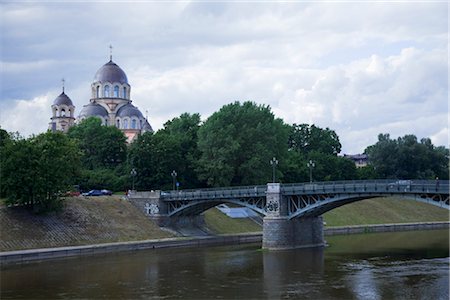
310 165
174 177
274 163
133 174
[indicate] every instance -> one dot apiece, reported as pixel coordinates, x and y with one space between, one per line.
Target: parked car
72 194
93 193
106 192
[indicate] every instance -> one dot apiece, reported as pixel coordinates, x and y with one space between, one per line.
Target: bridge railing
212 193
381 186
364 186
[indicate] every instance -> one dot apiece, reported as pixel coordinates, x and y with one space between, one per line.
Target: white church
110 101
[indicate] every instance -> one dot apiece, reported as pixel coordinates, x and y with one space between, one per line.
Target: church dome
93 109
129 110
110 72
147 126
63 99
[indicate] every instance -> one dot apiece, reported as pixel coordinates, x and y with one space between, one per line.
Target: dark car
93 193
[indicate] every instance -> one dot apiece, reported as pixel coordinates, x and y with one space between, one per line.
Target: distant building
360 160
110 102
63 113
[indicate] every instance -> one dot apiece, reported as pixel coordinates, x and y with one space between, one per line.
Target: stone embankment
25 256
83 221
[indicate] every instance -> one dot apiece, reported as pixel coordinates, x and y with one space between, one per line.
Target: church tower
63 113
111 102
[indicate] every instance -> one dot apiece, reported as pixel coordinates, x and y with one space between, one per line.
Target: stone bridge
292 212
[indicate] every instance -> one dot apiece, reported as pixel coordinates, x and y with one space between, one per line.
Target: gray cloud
358 68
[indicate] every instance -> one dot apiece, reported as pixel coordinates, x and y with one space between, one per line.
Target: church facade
110 102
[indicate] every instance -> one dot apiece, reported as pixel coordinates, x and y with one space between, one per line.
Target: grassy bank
371 211
105 219
83 221
384 211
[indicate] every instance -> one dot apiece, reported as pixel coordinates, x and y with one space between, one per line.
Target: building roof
147 126
93 109
110 72
129 110
63 99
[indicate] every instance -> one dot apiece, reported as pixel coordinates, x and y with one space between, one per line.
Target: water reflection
371 266
286 272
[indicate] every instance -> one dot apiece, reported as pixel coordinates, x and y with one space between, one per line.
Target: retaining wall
24 256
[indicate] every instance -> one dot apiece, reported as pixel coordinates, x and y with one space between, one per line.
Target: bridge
292 212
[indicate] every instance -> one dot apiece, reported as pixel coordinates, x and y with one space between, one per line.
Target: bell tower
63 113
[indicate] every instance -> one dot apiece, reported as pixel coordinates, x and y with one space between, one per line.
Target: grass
219 223
384 211
83 221
371 211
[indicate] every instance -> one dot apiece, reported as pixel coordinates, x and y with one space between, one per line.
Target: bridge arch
319 205
192 208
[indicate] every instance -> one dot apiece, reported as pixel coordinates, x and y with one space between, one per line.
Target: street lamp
274 163
310 165
133 174
174 177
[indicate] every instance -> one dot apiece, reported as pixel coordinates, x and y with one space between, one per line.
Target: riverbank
103 220
25 256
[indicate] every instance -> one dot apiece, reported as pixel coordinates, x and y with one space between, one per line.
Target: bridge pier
280 232
152 206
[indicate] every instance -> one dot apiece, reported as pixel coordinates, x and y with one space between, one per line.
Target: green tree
237 142
184 129
102 146
4 138
154 156
408 158
37 170
309 142
306 138
366 172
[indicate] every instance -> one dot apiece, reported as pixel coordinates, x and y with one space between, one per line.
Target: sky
358 68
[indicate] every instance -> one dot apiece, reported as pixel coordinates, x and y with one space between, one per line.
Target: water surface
402 265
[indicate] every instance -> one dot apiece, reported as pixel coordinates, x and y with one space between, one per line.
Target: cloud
358 68
27 116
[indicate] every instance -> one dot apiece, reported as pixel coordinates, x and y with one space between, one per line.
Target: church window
106 93
118 123
133 124
124 93
125 124
116 91
98 91
63 113
140 124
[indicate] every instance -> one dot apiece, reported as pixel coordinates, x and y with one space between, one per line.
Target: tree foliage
154 156
102 146
306 138
408 158
237 142
37 170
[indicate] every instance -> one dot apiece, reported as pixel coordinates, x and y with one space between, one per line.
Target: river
400 265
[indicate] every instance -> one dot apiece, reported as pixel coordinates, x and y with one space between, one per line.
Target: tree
184 129
307 138
37 170
309 142
408 158
102 146
154 156
237 142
